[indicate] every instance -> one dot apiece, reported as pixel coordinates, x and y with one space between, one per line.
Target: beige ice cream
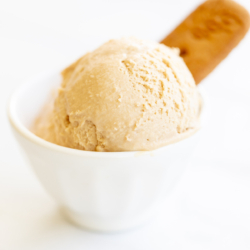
127 95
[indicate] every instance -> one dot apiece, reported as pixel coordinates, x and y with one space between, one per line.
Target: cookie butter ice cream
127 95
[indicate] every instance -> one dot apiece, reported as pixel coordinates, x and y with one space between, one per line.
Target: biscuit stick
208 35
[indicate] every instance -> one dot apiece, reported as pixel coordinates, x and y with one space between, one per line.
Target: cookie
208 35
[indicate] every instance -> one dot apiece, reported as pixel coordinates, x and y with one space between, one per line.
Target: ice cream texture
127 95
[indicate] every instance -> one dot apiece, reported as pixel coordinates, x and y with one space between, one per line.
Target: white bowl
104 191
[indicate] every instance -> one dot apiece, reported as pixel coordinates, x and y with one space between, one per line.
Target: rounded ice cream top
127 95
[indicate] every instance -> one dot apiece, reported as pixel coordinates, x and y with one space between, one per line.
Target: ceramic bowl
103 191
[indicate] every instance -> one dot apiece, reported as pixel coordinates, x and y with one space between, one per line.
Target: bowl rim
28 135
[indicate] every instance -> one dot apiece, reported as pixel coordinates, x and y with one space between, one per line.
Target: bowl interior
28 101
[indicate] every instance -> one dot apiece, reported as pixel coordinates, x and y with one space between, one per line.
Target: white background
210 207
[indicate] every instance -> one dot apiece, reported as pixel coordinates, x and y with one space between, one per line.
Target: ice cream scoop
127 95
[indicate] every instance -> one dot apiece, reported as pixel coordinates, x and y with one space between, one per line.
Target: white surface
210 207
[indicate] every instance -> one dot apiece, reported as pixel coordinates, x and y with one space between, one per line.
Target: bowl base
105 225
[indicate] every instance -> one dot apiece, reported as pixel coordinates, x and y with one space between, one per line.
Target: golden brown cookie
208 35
